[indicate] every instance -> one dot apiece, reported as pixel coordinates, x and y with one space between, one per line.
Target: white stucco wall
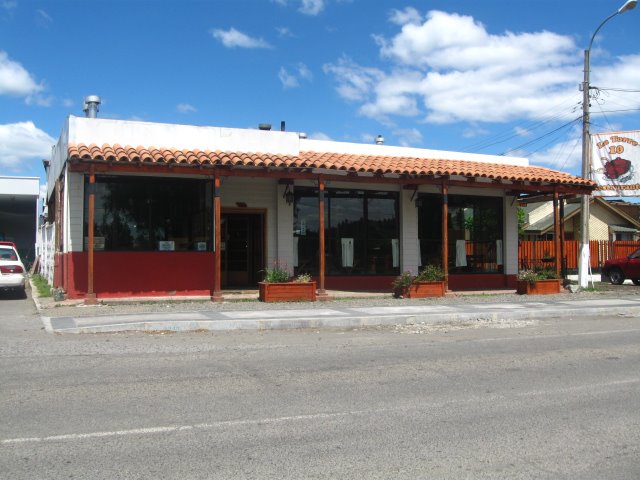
20 186
284 229
73 212
510 240
409 254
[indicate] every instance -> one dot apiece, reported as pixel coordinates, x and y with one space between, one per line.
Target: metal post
585 257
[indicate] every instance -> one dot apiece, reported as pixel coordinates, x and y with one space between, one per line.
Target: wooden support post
216 291
556 233
90 298
445 233
322 293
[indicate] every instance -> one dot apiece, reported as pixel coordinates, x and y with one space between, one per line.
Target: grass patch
41 284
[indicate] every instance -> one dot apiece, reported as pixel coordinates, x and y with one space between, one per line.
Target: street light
583 265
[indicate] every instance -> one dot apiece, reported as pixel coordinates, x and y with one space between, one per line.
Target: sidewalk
506 307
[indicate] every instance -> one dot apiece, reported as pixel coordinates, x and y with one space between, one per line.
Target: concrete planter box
287 292
425 289
539 287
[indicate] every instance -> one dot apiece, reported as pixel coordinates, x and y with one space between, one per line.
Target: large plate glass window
151 213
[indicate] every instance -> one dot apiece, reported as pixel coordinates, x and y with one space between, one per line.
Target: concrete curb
353 321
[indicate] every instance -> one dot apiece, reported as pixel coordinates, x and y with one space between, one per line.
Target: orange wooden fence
540 253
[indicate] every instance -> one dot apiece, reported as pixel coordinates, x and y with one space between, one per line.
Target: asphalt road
553 398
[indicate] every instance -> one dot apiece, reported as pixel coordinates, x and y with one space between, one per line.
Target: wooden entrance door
242 249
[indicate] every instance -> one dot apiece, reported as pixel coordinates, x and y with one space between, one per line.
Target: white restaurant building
149 209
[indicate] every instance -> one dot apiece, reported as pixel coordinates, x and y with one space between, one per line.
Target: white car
12 271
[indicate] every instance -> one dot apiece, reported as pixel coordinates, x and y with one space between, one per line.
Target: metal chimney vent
264 126
379 140
91 106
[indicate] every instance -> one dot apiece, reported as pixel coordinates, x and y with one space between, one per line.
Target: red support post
90 298
216 291
322 293
445 233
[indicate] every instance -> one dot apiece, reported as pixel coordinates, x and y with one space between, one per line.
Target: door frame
263 235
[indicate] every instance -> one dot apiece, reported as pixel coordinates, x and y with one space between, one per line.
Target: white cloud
320 136
475 131
447 68
408 137
407 16
304 72
185 108
15 79
292 80
67 102
354 82
23 142
287 80
566 155
233 38
9 5
311 7
284 32
43 18
522 132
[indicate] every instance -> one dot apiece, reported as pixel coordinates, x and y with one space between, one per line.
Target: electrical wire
565 125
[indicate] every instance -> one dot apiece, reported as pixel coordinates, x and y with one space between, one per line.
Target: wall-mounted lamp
417 201
288 195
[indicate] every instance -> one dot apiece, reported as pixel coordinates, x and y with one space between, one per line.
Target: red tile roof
331 161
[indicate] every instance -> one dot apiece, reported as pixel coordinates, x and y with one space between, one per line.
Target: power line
575 120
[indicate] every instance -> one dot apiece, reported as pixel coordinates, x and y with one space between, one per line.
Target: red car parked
617 270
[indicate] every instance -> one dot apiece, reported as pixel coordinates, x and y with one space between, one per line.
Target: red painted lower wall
137 274
148 274
496 281
358 283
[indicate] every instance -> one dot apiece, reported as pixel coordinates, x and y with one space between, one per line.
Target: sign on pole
615 163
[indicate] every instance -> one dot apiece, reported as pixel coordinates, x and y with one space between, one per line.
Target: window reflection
150 213
474 235
361 232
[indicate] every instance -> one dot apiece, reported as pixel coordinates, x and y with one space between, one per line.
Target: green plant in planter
303 278
401 283
277 274
532 276
430 273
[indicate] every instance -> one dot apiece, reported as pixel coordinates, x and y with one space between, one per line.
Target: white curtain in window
395 252
347 252
461 253
499 259
295 251
419 254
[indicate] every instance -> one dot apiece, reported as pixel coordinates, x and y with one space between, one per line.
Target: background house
608 221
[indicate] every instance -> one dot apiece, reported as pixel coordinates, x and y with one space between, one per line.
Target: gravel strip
50 308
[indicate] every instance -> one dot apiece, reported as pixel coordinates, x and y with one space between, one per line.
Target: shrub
277 274
430 273
303 278
535 275
401 283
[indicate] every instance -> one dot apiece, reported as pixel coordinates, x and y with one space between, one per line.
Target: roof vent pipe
264 126
379 140
91 106
282 125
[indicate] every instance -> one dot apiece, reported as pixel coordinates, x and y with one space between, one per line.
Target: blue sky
483 76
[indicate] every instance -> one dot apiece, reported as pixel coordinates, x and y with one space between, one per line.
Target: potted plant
538 282
428 283
279 286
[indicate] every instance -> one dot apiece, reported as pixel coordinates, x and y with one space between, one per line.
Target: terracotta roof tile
331 161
